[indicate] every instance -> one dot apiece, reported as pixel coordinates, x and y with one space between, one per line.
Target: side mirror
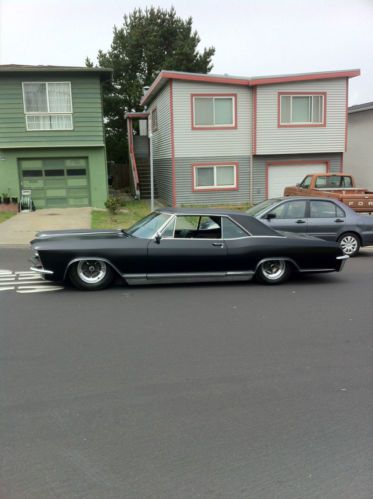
270 216
157 238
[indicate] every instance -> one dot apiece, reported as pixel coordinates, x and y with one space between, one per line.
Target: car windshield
254 210
148 226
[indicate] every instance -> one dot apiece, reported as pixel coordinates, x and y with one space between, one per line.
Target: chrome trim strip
41 270
317 270
342 257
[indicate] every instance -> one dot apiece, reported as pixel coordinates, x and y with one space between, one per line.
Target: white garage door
280 177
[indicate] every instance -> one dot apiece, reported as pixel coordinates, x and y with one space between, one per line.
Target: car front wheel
91 275
349 243
273 272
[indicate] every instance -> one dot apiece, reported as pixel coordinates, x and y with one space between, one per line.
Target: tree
148 42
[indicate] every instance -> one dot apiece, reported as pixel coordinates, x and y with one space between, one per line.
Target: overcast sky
251 37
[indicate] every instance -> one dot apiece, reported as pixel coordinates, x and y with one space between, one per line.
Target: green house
52 136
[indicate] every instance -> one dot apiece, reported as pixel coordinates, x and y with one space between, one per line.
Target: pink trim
346 125
246 81
309 77
307 125
172 146
225 127
131 151
294 163
136 115
254 118
219 188
341 165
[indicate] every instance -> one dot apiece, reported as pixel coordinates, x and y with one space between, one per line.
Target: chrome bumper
343 258
42 271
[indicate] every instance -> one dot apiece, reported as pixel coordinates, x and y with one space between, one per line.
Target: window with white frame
302 109
154 120
215 177
214 111
48 105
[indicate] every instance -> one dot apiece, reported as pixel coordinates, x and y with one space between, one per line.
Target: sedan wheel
90 274
350 244
273 272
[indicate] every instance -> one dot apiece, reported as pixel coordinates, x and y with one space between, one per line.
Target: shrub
113 204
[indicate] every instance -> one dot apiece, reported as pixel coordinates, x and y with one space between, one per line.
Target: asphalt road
196 391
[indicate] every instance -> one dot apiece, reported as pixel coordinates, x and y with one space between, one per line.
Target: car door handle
220 245
300 222
339 220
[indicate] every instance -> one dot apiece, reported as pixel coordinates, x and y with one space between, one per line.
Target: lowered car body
181 245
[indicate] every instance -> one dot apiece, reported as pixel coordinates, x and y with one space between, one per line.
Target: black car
181 245
326 218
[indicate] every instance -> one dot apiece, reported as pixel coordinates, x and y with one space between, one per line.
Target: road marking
25 282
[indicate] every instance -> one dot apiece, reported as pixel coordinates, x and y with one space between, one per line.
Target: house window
302 110
48 105
215 177
213 111
154 120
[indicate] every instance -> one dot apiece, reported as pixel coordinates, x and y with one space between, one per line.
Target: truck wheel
350 243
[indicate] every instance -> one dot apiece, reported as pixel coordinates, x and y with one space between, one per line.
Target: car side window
323 209
289 210
169 230
232 230
306 182
198 227
340 212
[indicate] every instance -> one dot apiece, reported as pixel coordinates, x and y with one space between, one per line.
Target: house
222 139
51 135
359 156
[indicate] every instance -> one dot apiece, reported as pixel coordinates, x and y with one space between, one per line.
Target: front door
288 216
325 219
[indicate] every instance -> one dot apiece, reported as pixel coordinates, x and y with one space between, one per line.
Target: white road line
5 279
8 289
35 289
5 272
36 277
32 281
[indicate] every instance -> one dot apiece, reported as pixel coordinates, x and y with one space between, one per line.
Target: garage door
281 176
56 182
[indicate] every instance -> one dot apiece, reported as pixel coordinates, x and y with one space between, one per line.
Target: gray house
359 156
223 139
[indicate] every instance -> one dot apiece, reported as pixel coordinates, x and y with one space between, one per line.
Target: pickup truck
334 185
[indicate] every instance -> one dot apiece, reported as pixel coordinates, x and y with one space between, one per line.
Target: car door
325 219
289 216
190 246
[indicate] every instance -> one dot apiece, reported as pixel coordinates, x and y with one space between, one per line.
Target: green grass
130 213
5 215
134 210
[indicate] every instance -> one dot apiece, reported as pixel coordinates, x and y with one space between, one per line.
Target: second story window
301 110
48 105
213 111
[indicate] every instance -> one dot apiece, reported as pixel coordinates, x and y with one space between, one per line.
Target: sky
251 37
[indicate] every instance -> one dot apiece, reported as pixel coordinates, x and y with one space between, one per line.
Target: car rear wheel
91 274
349 243
273 271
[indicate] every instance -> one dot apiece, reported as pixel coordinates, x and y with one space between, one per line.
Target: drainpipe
151 164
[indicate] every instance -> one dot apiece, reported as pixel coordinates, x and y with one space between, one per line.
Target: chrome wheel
91 271
273 271
350 244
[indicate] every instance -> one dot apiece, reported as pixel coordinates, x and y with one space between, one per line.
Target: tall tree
148 42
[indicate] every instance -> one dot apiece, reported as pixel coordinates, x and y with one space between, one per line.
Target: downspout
253 145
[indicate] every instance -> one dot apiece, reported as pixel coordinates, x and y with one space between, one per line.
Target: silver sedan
320 217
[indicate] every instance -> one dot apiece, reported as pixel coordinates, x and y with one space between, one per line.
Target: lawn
5 215
133 211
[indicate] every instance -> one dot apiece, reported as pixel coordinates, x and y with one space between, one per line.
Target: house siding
162 136
184 182
271 139
358 159
260 162
163 179
210 143
87 113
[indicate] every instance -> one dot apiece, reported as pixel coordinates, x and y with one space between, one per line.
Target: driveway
21 228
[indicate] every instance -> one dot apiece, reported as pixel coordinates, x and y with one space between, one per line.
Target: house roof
164 76
360 107
104 73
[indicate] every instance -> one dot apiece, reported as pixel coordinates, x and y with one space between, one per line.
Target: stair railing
134 177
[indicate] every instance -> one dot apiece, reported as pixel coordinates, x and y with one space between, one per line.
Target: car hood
80 234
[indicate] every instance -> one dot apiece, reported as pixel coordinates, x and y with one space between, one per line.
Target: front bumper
342 259
42 271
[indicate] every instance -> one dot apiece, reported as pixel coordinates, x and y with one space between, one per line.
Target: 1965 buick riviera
181 245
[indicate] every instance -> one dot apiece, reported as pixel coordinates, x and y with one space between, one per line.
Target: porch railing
134 176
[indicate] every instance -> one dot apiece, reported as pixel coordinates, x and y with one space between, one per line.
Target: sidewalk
21 228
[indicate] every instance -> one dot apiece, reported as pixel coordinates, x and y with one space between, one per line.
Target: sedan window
290 209
231 230
200 227
324 209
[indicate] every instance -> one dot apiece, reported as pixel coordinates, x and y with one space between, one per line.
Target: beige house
358 160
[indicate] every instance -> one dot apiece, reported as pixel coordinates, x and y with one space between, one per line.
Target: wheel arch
99 258
284 258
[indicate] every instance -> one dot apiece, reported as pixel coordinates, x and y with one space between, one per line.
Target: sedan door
192 247
288 216
326 219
